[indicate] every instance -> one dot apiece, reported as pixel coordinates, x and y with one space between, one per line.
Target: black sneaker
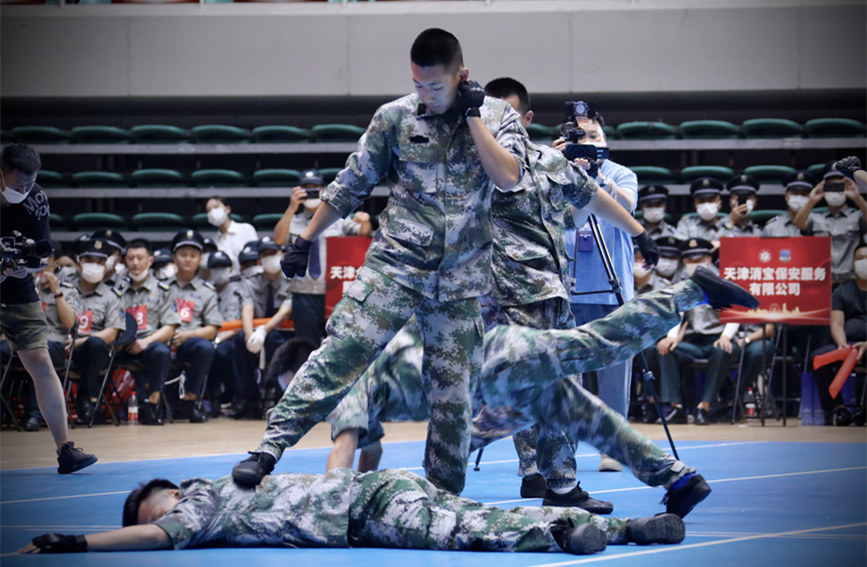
577 498
33 423
196 412
682 500
702 417
675 415
662 528
722 293
71 459
841 417
534 486
585 539
250 471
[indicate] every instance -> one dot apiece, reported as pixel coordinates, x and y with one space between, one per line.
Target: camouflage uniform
524 381
431 256
341 508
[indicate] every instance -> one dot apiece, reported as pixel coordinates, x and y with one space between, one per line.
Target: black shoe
675 415
85 409
33 423
682 500
841 417
662 528
722 293
577 498
649 413
250 471
859 416
702 417
71 459
149 414
534 486
585 539
196 412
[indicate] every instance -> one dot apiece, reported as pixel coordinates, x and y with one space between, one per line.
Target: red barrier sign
345 257
791 277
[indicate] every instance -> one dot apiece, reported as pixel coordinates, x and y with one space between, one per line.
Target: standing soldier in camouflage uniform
100 321
342 508
196 302
443 150
150 302
528 377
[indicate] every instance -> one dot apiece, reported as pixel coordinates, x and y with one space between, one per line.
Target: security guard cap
652 193
705 186
188 237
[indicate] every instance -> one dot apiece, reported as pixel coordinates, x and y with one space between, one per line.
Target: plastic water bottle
132 410
750 402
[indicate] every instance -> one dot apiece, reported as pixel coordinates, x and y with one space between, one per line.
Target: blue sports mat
775 503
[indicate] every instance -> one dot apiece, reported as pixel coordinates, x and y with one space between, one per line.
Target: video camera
573 134
22 252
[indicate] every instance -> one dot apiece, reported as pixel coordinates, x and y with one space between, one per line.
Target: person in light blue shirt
586 262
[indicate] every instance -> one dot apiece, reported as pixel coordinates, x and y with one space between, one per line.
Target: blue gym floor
779 504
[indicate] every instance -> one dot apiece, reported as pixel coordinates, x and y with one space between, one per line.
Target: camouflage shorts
24 325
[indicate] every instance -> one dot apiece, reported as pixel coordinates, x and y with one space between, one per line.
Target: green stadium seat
158 178
336 132
709 129
834 128
219 134
40 135
96 221
99 135
266 221
57 221
771 128
610 132
276 134
646 131
276 177
99 179
49 179
159 221
540 132
719 172
760 218
329 173
651 174
769 173
816 170
218 178
5 136
159 134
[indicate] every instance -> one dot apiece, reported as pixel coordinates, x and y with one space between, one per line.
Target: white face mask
110 262
690 268
13 196
311 204
139 278
91 272
271 264
707 211
204 261
638 270
796 202
217 216
654 214
861 268
667 266
750 206
166 272
221 276
251 271
835 199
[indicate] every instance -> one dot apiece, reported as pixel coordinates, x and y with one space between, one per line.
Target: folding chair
7 399
122 339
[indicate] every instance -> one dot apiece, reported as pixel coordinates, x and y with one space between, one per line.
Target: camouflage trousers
523 380
373 309
540 449
395 508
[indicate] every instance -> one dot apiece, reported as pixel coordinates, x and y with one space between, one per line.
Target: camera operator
622 184
24 208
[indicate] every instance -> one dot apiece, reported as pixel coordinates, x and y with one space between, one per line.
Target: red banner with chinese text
345 257
791 277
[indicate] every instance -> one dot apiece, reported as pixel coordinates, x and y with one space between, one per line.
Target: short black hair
21 158
141 243
137 496
218 198
435 46
507 86
289 357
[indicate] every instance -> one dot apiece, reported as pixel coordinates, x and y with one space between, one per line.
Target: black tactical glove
470 97
59 543
648 248
294 261
848 166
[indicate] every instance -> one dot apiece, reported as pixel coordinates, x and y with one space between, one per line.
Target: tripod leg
478 458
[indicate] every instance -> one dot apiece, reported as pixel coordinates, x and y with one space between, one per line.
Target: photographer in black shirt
24 215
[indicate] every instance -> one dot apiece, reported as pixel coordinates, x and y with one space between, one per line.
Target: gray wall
362 48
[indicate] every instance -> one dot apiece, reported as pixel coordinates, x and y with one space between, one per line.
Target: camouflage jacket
435 236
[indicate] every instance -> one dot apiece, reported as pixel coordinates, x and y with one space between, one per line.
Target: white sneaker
607 464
